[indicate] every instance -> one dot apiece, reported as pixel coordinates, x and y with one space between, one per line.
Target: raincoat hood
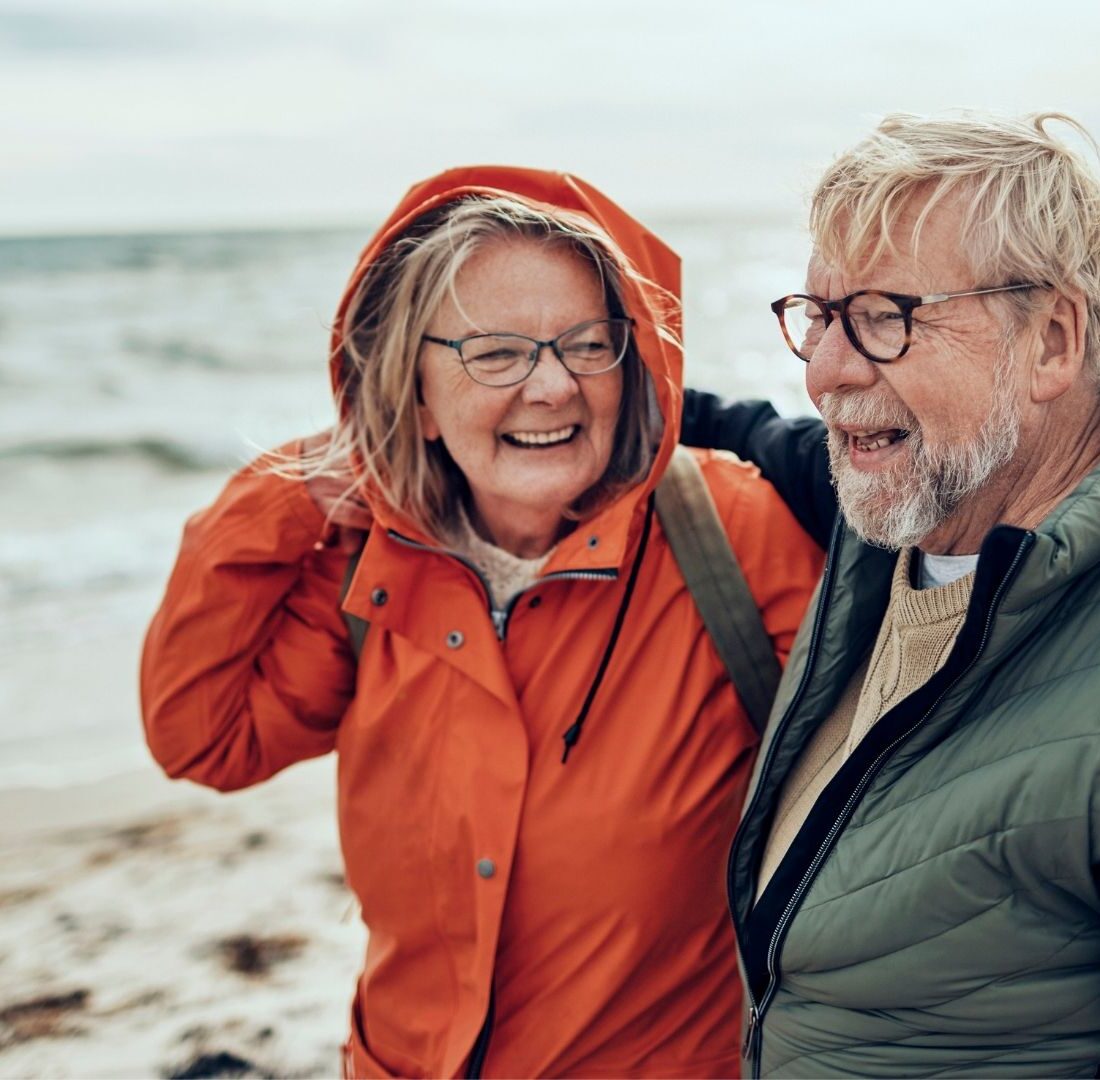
654 302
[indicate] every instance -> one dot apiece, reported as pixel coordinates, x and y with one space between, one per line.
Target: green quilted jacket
939 911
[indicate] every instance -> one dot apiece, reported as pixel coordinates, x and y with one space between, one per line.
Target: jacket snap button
486 868
593 541
455 639
379 597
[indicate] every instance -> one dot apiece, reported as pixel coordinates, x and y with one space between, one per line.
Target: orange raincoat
539 918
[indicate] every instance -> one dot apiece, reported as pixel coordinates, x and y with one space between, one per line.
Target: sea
138 371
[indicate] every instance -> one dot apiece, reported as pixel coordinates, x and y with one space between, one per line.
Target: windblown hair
1031 205
400 293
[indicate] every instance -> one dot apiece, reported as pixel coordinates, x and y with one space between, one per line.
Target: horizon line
120 229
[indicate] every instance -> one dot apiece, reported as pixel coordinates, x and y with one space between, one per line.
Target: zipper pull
750 1031
748 1047
500 622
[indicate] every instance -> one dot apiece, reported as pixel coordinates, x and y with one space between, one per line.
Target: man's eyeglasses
878 324
590 348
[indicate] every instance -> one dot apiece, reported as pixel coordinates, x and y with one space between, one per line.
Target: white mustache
863 410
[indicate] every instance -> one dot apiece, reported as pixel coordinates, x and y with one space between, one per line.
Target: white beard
899 506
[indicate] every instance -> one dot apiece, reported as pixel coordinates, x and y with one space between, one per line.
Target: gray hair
1031 204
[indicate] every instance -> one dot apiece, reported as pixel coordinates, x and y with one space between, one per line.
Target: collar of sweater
915 607
505 574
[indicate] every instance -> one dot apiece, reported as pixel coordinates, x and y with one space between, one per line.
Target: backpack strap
717 585
357 628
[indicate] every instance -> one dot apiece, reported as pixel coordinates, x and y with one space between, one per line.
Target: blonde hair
1031 206
379 422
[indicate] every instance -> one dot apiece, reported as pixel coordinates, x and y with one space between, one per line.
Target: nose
550 383
836 364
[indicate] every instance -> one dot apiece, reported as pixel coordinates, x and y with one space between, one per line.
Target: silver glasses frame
536 348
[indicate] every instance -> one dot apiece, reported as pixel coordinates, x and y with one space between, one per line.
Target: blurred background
184 189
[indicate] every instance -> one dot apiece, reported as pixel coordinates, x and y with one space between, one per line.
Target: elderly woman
508 379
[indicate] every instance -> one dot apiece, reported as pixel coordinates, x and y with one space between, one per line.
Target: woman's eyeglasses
590 348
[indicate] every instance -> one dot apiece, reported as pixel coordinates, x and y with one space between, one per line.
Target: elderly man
915 884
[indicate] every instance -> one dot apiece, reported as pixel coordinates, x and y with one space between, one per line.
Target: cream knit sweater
917 632
506 574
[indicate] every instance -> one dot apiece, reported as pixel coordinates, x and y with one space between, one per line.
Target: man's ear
1062 342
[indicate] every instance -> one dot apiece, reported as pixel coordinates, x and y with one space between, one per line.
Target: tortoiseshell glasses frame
878 317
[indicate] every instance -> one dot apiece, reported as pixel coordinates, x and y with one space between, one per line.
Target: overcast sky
126 114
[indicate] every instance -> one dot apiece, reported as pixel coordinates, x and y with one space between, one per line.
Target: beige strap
717 585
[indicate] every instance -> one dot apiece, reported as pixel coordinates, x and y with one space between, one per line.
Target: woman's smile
542 440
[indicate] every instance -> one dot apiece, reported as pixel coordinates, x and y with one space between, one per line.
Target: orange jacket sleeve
246 667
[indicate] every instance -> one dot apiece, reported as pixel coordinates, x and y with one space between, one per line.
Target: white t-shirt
934 570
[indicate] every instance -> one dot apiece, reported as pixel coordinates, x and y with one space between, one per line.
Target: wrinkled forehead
516 271
916 249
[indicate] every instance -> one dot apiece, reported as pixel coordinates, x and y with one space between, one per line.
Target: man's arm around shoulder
791 454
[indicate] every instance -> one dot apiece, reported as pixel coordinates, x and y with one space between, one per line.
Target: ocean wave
175 351
195 251
169 454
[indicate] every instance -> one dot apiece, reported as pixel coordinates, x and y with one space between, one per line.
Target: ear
1062 348
428 426
429 429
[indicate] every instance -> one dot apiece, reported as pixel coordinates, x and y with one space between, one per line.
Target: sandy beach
150 928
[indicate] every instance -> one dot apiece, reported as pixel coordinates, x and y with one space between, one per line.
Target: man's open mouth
866 441
539 439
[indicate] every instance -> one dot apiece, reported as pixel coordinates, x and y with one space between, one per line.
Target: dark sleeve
790 453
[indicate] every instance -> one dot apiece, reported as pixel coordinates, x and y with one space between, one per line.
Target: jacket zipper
754 1039
500 618
811 656
750 1047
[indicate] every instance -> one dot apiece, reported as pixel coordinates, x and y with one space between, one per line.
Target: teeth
879 439
542 438
875 444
